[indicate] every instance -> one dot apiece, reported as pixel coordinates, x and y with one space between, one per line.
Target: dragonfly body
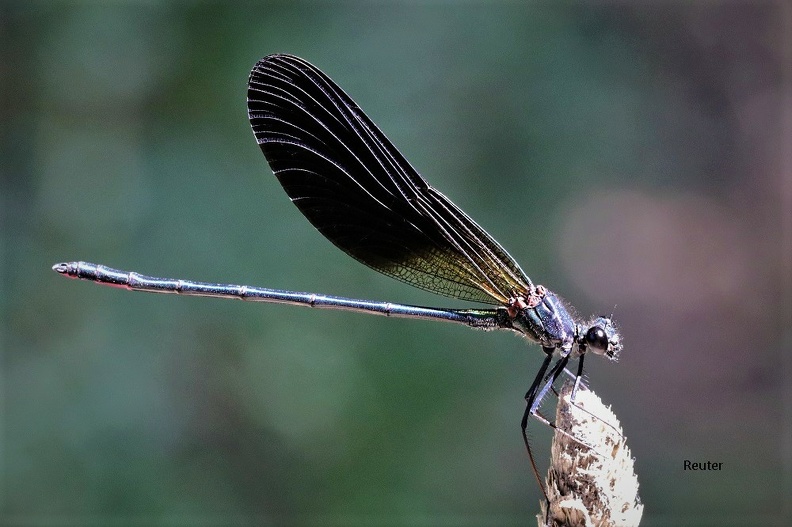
543 319
481 319
358 190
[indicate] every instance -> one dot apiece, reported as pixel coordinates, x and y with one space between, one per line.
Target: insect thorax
542 317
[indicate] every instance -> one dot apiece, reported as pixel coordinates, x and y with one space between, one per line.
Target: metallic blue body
548 323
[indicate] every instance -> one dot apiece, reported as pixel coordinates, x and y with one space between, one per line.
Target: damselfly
359 191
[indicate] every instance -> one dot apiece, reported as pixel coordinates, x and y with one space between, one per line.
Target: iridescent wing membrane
356 188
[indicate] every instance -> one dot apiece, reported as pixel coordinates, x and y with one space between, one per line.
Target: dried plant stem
591 481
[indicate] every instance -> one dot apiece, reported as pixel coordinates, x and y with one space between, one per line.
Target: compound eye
596 338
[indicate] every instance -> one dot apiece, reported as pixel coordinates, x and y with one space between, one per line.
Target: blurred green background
633 158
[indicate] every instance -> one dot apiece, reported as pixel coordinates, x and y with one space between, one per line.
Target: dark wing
355 187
